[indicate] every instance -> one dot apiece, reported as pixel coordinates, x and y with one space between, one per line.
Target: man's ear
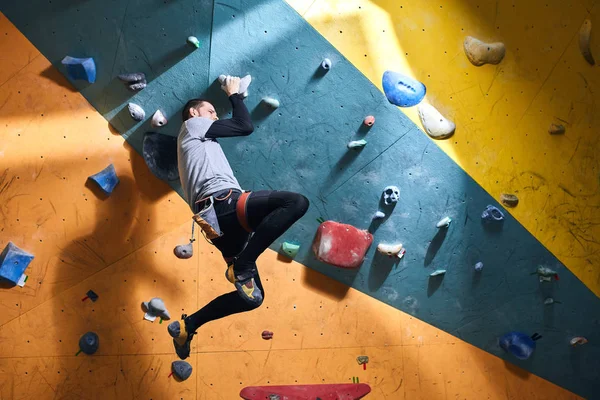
193 112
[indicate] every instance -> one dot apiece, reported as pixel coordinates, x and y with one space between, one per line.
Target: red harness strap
240 209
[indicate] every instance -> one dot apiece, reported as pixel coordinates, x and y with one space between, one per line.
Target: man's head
199 108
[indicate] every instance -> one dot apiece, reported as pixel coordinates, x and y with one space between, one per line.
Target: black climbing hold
160 154
89 343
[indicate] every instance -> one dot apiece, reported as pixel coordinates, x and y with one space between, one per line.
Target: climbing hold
556 129
267 335
545 274
379 215
480 53
160 154
509 200
549 301
136 112
135 81
391 250
107 179
519 344
89 343
438 272
584 41
362 360
492 214
434 123
244 83
181 369
401 90
158 119
271 102
391 194
579 340
156 308
326 64
80 68
444 222
479 266
290 249
184 251
92 295
134 87
369 120
357 144
341 245
13 262
193 40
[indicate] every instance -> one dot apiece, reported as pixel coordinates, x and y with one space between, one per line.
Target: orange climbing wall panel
121 247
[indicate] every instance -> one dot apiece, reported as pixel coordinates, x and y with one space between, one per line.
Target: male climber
247 222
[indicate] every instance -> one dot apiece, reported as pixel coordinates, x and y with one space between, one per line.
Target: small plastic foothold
518 344
402 90
134 87
133 77
444 222
271 102
556 129
158 119
80 68
438 272
326 64
193 40
290 249
579 340
13 263
89 343
357 144
379 215
479 266
480 53
549 301
391 194
369 120
136 112
184 251
584 41
92 295
435 124
492 214
392 250
545 271
509 200
267 335
107 179
181 370
156 307
362 360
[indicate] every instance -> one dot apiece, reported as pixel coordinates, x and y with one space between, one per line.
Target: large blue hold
13 262
89 343
518 344
401 90
80 68
107 179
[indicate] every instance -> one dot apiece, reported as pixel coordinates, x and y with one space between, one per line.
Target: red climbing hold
344 391
267 335
341 245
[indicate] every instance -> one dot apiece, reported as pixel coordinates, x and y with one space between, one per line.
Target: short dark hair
185 114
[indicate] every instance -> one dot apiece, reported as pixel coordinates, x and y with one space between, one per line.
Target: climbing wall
299 147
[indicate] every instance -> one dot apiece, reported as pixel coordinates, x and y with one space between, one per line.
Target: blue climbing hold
80 68
89 343
107 179
181 369
519 344
492 214
401 90
13 262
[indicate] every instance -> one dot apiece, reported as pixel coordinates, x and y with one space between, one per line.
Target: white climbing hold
438 272
271 102
579 340
193 40
480 53
156 307
158 119
392 250
434 123
479 266
326 64
584 41
549 301
184 251
244 83
379 215
444 222
357 144
136 112
391 194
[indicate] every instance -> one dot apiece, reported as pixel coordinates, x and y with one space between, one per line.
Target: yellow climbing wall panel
121 247
502 112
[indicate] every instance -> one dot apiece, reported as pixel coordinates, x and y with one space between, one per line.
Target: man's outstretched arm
240 123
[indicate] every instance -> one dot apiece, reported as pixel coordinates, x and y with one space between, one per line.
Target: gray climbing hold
444 222
379 215
357 144
556 129
184 251
549 301
135 81
326 64
136 112
434 123
181 369
391 194
584 41
89 343
156 308
193 40
158 119
244 83
438 272
479 266
271 102
545 271
509 200
134 87
480 53
492 214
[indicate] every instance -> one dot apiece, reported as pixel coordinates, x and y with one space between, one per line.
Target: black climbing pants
269 214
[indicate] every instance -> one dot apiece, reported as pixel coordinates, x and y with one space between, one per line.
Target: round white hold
434 123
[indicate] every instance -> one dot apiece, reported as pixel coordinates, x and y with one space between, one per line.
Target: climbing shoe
181 337
245 284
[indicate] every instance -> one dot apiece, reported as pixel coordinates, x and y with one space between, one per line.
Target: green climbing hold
290 249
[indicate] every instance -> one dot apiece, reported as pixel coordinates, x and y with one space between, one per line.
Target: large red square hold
341 245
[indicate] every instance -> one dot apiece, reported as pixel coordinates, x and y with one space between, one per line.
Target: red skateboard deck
344 391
